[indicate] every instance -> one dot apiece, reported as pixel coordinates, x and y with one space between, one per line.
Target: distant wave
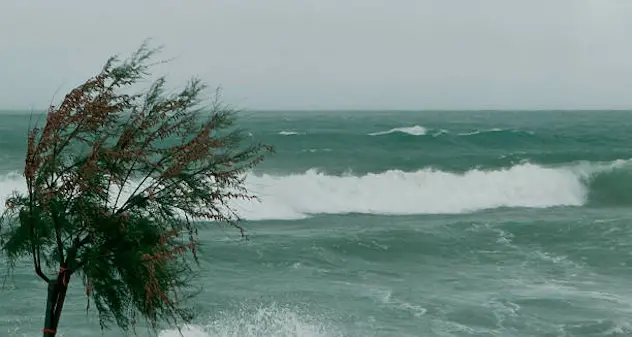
317 150
412 130
290 133
441 132
494 130
427 191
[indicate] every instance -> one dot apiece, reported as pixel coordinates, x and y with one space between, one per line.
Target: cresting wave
494 130
412 130
418 130
426 191
290 133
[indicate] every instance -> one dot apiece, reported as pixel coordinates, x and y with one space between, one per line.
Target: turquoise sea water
404 224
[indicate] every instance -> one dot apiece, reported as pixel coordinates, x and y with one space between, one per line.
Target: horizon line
393 110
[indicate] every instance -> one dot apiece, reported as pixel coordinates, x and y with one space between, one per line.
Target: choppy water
405 224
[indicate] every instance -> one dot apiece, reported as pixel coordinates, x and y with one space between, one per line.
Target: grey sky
324 54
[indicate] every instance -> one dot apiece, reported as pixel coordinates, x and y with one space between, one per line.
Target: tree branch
60 244
36 257
38 270
34 248
72 254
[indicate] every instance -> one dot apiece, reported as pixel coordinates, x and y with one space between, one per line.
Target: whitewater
402 223
425 191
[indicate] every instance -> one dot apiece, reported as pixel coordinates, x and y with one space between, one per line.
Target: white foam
480 131
265 321
494 130
317 150
290 133
425 191
411 130
420 192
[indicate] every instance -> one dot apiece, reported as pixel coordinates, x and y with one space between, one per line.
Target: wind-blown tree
117 185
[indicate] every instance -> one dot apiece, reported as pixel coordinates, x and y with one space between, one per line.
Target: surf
425 191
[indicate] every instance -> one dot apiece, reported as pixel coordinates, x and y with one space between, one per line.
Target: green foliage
118 183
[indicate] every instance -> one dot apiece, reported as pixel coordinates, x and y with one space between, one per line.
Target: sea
400 223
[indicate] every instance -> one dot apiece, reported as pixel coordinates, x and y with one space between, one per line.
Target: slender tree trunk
49 330
60 304
54 304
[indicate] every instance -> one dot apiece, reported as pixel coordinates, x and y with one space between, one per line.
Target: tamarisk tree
117 185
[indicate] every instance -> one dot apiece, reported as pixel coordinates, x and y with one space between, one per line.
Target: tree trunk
49 330
54 304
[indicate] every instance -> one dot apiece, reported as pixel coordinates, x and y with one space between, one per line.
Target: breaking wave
495 130
412 130
426 191
429 191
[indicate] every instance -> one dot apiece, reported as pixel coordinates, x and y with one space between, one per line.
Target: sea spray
263 320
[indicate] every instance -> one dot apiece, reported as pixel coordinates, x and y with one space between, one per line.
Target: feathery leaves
117 184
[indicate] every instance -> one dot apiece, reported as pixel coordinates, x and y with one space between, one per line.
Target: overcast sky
335 54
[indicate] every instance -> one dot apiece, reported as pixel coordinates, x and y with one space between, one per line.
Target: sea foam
395 192
269 320
424 191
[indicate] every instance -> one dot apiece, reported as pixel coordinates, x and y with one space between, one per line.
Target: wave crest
426 191
416 130
290 133
495 130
